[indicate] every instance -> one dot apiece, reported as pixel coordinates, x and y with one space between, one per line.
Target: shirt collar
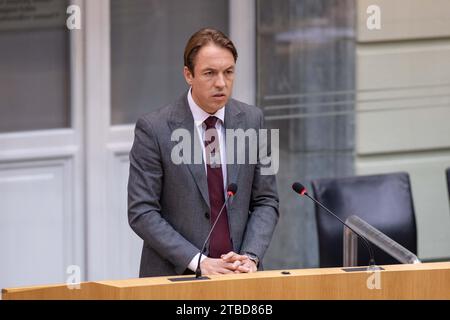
201 115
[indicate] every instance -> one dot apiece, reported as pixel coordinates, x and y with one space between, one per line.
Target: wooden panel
421 281
405 19
87 290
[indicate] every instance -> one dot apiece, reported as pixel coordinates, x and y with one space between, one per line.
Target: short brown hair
200 39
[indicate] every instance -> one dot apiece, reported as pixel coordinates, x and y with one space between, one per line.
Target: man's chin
214 107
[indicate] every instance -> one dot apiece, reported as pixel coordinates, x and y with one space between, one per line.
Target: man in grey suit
172 206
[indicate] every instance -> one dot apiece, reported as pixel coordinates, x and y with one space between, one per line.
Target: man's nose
220 81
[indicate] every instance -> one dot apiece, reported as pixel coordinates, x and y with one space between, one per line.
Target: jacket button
207 215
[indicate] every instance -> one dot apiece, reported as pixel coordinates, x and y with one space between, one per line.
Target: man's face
212 82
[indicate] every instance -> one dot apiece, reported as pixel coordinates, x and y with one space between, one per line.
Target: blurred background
348 100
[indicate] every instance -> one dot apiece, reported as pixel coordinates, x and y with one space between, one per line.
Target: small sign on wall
32 14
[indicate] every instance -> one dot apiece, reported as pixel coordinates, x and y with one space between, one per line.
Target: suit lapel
181 117
233 120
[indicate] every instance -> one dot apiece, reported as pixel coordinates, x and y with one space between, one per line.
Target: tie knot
210 122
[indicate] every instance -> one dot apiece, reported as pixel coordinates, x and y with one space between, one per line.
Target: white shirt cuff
193 264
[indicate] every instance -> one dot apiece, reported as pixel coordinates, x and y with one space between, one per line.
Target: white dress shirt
200 116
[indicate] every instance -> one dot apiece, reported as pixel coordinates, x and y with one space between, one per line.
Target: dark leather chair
383 200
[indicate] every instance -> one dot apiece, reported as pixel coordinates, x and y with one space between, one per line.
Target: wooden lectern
417 281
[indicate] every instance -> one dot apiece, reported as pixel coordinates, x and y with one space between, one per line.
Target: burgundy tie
220 242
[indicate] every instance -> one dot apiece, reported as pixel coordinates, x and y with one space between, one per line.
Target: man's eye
208 73
230 71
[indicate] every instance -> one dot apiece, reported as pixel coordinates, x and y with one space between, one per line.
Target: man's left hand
242 263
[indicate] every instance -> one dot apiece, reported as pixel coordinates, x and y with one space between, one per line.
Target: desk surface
418 281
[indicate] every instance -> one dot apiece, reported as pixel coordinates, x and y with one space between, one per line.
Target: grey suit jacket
168 204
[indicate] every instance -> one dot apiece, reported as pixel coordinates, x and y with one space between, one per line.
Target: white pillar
243 34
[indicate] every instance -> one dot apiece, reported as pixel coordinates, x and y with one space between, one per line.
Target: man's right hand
218 266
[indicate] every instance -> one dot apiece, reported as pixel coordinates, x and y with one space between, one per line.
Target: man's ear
188 75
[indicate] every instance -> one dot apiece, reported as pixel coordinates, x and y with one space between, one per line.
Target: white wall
407 127
41 171
243 34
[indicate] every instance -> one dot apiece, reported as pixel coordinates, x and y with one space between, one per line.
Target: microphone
231 191
300 189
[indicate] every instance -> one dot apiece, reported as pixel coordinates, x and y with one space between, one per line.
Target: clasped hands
228 263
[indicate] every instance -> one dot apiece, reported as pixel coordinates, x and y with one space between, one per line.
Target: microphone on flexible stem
300 189
231 191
